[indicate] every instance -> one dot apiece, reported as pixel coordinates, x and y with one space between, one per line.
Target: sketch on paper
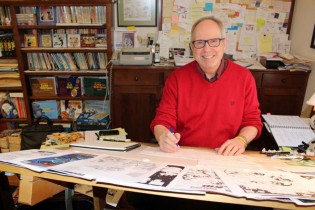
268 183
198 178
164 176
113 168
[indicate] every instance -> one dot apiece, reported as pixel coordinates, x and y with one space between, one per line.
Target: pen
172 131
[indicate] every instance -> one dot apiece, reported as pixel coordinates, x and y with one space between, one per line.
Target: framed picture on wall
137 13
313 39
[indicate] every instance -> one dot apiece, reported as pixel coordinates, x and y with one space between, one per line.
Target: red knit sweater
207 114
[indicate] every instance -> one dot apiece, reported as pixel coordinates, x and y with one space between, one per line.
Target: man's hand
232 147
168 142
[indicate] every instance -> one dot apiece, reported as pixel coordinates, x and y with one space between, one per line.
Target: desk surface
259 158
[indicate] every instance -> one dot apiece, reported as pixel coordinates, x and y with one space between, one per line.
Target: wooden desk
56 182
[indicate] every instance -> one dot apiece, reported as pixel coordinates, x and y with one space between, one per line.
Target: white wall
301 34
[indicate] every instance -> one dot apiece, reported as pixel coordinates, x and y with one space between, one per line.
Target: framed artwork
313 39
46 15
144 14
30 41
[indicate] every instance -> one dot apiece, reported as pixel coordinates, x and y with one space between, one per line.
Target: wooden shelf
11 88
18 120
64 50
66 98
101 72
63 26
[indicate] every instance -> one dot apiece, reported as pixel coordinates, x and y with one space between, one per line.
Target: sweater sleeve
251 110
166 111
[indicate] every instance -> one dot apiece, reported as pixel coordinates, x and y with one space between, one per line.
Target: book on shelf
26 19
97 106
69 86
30 40
74 40
43 86
93 118
10 79
45 40
59 40
100 40
7 108
46 15
49 108
87 40
70 109
18 100
288 130
95 86
7 46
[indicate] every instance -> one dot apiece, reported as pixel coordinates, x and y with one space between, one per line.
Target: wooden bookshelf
103 25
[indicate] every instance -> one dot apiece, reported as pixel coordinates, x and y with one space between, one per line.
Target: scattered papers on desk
182 60
154 173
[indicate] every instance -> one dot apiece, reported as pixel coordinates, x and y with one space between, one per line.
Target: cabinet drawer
283 80
137 78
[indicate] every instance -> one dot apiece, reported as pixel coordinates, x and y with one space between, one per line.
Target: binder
289 130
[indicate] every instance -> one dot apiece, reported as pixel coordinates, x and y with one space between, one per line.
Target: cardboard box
36 190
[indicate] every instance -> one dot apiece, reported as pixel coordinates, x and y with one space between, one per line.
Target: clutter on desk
63 138
307 148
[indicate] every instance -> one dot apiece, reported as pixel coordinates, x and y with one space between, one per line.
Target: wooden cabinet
135 95
137 90
281 92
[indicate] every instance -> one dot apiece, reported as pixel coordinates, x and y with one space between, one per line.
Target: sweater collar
218 73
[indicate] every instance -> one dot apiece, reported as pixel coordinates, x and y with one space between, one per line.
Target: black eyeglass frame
207 41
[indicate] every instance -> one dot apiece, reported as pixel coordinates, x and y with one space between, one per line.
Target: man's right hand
168 141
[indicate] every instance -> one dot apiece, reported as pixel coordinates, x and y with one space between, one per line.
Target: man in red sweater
211 102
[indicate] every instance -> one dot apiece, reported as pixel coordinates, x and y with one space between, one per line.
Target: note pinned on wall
265 43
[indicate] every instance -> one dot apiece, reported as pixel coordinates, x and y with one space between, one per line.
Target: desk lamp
311 102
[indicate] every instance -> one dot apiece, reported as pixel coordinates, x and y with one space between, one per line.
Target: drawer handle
136 78
283 81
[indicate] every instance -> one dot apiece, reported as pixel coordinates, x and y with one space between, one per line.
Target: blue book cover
95 111
49 108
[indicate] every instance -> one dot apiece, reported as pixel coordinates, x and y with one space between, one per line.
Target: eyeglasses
198 44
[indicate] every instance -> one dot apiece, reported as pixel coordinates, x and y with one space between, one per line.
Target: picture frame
128 39
313 39
30 41
46 15
143 16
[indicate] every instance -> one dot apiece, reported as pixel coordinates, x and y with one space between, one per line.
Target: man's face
209 58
